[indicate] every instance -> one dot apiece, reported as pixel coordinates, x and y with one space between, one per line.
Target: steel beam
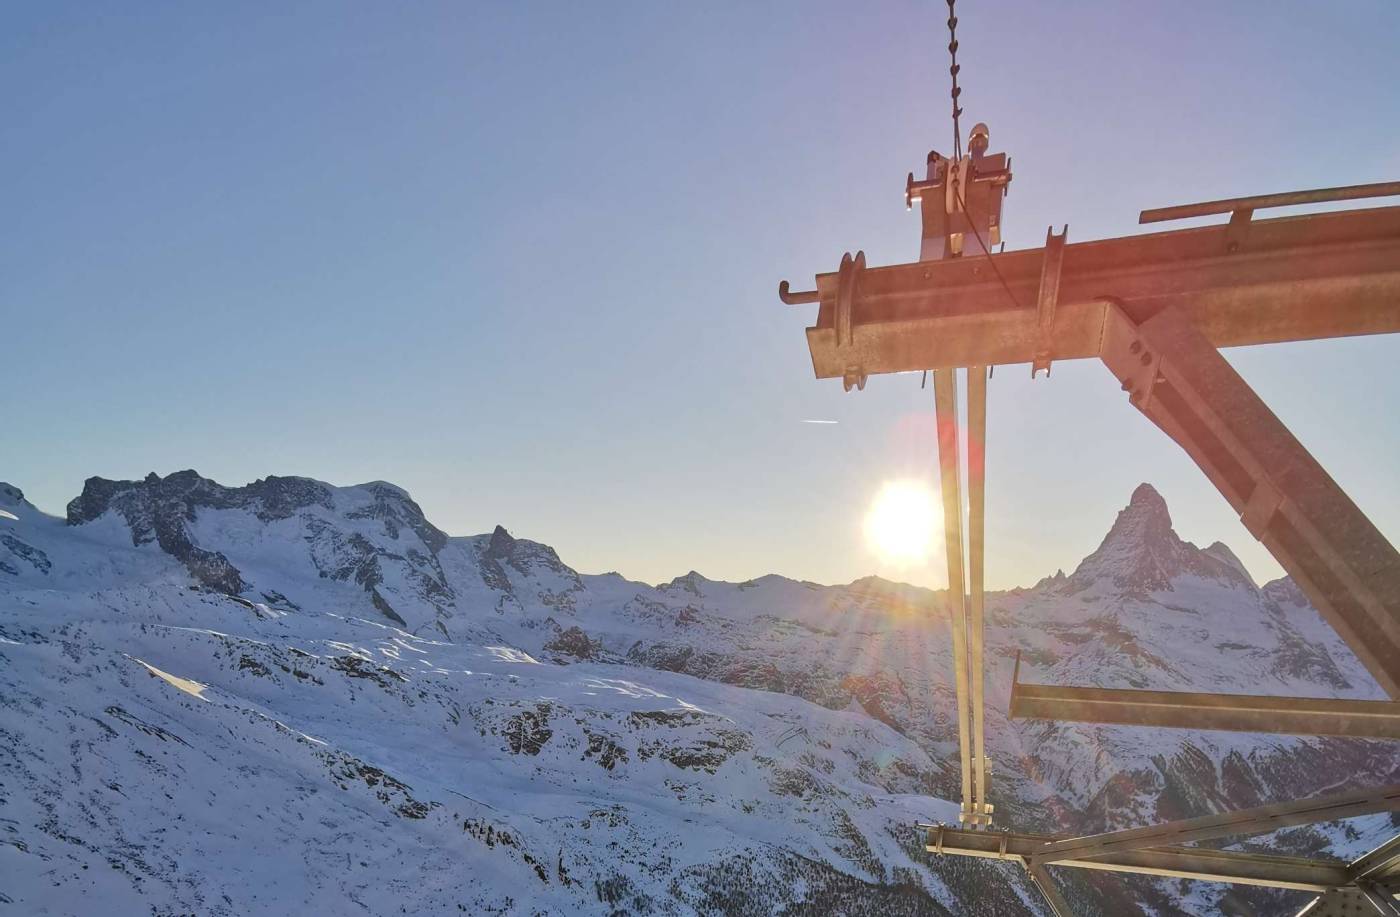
1346 567
1348 902
1261 201
1189 710
976 541
1242 823
1289 279
1381 901
1198 863
945 395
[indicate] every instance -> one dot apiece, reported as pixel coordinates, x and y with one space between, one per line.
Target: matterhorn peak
1146 516
1142 554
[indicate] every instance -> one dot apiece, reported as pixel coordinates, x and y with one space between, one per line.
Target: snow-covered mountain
294 697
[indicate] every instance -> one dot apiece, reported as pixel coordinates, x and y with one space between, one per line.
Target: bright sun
900 524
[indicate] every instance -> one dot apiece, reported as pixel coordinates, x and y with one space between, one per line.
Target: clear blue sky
520 258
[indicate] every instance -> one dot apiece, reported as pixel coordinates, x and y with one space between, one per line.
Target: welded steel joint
961 197
1127 356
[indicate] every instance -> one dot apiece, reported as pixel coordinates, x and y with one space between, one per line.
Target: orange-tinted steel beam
1288 279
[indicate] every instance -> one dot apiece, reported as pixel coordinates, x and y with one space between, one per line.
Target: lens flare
900 525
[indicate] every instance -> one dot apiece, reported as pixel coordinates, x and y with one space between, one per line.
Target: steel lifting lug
847 289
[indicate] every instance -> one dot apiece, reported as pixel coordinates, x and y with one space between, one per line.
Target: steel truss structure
1155 309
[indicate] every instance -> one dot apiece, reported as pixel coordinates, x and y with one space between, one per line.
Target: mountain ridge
824 709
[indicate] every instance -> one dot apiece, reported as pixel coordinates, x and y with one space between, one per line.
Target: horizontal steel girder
1289 279
1176 862
1241 823
1190 710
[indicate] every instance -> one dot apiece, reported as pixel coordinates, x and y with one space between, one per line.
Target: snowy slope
290 696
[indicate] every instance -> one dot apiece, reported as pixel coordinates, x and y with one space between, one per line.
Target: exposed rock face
10 495
166 511
573 643
159 509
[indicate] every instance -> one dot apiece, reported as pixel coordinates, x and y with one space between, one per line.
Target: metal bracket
1238 229
1049 296
847 290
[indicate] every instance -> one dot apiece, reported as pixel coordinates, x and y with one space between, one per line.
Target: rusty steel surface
1289 279
1346 567
1199 863
1240 823
1262 201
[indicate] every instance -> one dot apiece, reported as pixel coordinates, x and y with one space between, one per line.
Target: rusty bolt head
1135 346
1146 357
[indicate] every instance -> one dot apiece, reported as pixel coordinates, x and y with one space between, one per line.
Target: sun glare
900 525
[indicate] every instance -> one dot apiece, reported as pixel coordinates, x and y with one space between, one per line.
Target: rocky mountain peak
501 544
1142 553
690 582
1145 518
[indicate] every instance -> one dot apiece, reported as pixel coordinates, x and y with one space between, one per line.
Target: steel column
945 396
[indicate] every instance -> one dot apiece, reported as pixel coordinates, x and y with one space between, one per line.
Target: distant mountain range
290 697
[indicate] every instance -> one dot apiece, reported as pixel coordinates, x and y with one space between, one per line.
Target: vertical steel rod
945 399
976 530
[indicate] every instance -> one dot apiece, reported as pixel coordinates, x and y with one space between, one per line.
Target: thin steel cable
953 72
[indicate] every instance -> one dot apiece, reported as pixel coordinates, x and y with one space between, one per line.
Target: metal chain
953 71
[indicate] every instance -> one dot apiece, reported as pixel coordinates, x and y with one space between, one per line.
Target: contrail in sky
821 421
